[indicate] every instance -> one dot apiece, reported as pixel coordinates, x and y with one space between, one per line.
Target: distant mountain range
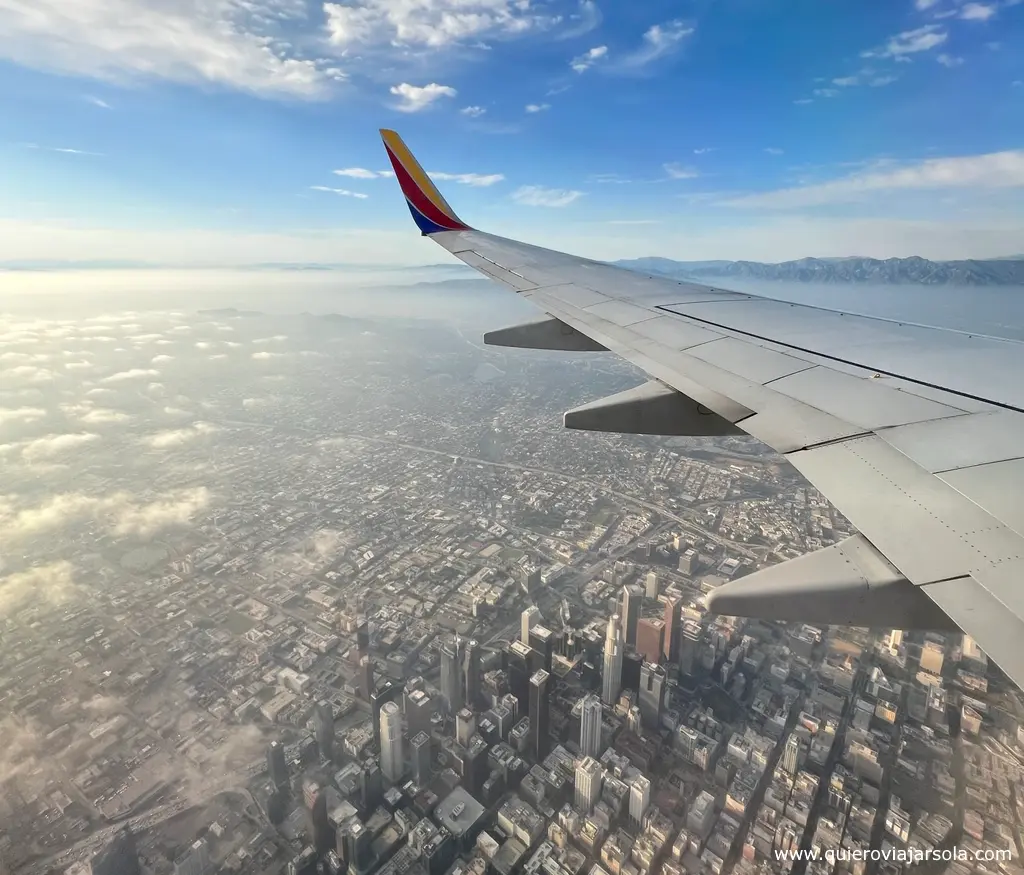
889 271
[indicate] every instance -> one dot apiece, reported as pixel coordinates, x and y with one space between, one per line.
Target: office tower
791 754
119 857
420 746
542 642
371 785
895 640
670 650
512 703
363 637
323 728
321 828
540 715
590 726
495 685
310 792
650 638
366 683
473 674
389 691
518 658
932 657
419 709
277 765
634 723
652 585
530 618
639 799
632 597
611 677
688 562
652 694
679 543
632 662
689 644
588 780
355 846
465 726
195 861
451 673
392 757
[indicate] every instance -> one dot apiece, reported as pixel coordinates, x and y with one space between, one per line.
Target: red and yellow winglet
429 209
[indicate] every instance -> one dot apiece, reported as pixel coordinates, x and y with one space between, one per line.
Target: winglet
429 209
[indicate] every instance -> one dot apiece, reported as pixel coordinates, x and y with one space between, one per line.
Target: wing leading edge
915 434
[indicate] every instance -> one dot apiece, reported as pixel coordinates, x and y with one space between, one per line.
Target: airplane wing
914 433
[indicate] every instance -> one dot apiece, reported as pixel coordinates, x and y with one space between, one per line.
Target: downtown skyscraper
611 676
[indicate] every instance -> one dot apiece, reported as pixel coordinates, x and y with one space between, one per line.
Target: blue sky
233 131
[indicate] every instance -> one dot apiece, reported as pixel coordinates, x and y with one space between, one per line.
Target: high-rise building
688 562
323 728
119 857
392 757
895 639
540 714
195 861
518 658
277 765
791 754
473 674
366 683
611 676
689 644
652 585
588 779
932 657
652 694
389 691
634 723
362 636
590 726
542 643
632 598
512 703
451 673
650 638
371 785
419 709
530 618
670 650
420 745
465 726
639 798
355 846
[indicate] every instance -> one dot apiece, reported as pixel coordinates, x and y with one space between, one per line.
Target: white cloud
118 513
132 374
677 171
53 583
20 414
340 191
584 62
977 11
538 196
909 42
773 151
922 5
103 416
879 81
537 107
846 81
162 359
415 98
362 173
949 60
267 356
477 180
26 374
582 22
96 101
170 438
56 445
803 101
230 43
659 41
996 170
472 111
704 151
825 92
429 23
277 338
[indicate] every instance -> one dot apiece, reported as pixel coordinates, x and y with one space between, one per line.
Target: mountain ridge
853 269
